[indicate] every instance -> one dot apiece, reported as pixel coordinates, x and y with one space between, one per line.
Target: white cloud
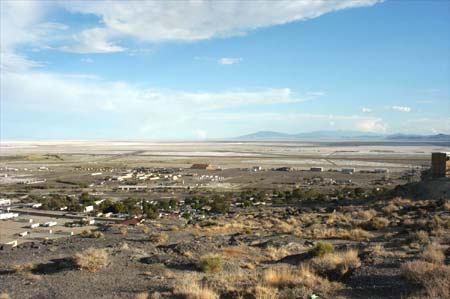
160 21
87 60
366 110
401 108
371 125
229 60
80 92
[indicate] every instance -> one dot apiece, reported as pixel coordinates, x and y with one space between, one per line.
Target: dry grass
378 223
158 238
264 292
276 253
313 281
190 288
6 296
446 206
357 234
340 261
141 295
91 259
283 276
433 277
174 228
433 254
156 295
390 208
365 215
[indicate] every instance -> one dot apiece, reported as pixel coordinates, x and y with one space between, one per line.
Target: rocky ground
396 248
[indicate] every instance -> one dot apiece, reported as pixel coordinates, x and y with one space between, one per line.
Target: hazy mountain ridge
343 134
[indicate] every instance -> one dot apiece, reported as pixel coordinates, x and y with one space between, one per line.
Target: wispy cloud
401 108
366 110
87 60
229 60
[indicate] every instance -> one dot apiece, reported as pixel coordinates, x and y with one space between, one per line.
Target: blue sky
195 70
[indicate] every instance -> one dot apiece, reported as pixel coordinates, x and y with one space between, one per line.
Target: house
204 166
4 216
284 168
316 169
5 202
88 209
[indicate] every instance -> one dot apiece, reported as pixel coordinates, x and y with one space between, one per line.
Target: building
5 202
132 187
381 170
316 169
204 166
348 170
440 165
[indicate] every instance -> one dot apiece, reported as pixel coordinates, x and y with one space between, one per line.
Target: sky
199 69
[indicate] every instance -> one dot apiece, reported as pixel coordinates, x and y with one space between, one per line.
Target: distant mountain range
342 135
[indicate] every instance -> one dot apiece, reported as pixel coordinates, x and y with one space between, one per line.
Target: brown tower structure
440 165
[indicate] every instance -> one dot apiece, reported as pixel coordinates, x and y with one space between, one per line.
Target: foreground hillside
397 248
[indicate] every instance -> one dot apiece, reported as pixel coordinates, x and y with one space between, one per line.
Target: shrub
280 277
322 248
23 268
142 295
158 238
433 254
390 208
211 263
96 235
190 288
313 281
275 253
91 259
340 261
378 223
357 234
433 277
263 292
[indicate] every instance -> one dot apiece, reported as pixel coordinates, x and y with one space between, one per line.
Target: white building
5 202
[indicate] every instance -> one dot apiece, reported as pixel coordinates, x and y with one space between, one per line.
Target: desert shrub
322 248
264 292
433 254
390 208
91 259
339 261
23 268
211 263
276 253
280 277
308 278
433 277
420 236
141 295
96 235
357 234
174 228
446 206
159 238
366 215
378 223
190 288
